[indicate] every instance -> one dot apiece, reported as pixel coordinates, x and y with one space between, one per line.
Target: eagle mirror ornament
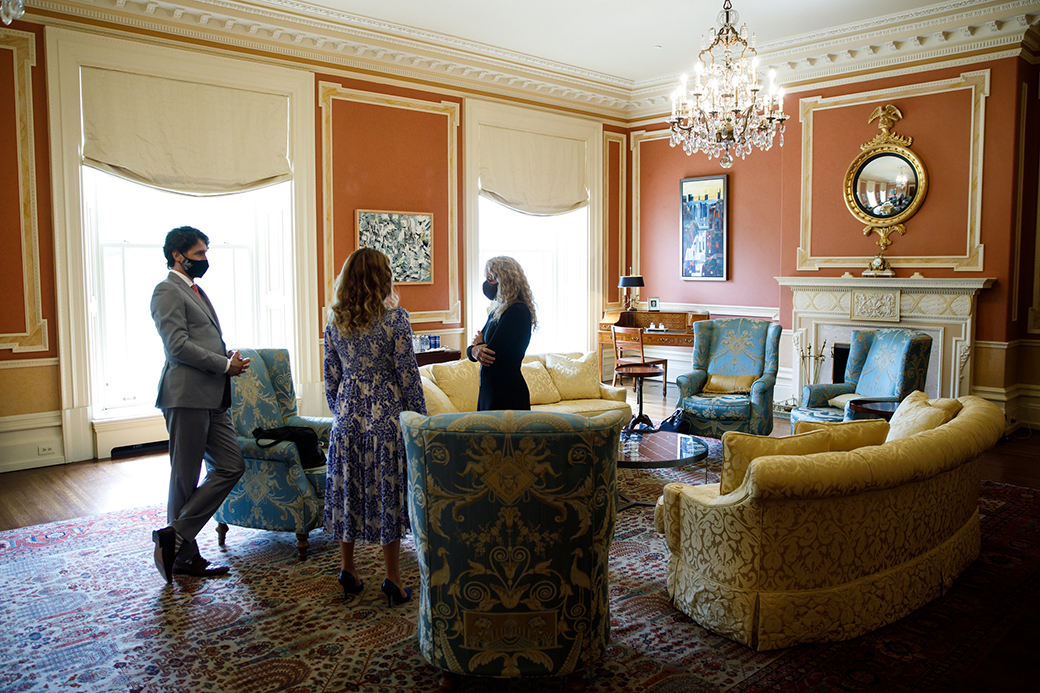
885 185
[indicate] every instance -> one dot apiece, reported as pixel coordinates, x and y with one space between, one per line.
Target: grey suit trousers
197 434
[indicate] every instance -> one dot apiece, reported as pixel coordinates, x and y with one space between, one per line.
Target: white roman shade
183 136
532 173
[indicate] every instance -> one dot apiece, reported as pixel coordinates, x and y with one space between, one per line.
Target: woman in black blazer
500 346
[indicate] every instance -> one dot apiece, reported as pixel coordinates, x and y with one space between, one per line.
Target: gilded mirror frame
885 144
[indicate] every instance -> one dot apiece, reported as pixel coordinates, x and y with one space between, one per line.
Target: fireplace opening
839 359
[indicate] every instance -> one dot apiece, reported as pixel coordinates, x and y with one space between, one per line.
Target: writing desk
679 330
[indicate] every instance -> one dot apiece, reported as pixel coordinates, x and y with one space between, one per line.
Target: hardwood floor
81 489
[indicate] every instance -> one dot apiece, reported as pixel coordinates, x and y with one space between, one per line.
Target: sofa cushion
917 413
436 401
739 449
585 407
539 383
460 381
726 384
574 378
848 435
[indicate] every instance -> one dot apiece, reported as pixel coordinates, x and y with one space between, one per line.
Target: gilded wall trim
613 138
329 92
34 338
972 260
637 138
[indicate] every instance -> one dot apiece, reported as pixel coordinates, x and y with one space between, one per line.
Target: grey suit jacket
196 357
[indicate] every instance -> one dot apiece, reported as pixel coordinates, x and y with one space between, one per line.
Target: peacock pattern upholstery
513 515
275 492
733 347
882 365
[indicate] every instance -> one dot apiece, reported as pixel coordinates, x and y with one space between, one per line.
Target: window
554 252
249 281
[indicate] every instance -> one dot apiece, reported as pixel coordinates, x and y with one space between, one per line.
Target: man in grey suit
194 395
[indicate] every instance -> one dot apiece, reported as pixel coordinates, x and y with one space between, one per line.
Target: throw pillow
460 381
436 401
539 383
840 401
847 435
574 378
739 449
728 384
917 413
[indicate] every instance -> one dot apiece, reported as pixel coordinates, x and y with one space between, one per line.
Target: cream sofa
831 545
566 383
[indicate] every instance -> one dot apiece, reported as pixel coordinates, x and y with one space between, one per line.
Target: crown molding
942 32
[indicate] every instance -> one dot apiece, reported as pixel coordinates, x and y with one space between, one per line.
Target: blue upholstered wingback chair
745 353
513 514
882 365
275 492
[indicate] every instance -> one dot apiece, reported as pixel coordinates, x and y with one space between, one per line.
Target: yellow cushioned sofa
827 546
567 383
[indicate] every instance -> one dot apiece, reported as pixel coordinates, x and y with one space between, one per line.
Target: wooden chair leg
221 533
302 544
576 682
449 681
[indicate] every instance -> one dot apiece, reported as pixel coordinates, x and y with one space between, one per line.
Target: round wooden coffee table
640 421
655 450
882 408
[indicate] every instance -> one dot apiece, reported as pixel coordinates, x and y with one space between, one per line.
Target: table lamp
625 282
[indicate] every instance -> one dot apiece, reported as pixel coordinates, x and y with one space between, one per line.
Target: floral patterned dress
370 378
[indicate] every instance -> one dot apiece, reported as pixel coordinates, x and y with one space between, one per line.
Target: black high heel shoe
393 594
350 584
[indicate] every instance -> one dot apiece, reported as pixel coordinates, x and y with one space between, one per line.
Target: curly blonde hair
363 291
512 286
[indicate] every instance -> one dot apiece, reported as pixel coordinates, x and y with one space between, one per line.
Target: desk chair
629 340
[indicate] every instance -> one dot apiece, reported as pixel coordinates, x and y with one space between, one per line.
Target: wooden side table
881 408
638 373
425 358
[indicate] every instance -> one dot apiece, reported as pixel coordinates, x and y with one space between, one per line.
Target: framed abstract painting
406 238
704 230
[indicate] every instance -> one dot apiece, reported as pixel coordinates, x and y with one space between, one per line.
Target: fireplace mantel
829 308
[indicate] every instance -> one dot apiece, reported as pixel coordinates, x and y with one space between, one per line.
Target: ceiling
631 40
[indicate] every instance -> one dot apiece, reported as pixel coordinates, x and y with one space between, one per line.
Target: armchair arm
817 395
322 425
691 383
617 394
284 452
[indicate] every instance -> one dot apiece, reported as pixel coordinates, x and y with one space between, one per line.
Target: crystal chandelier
723 114
11 10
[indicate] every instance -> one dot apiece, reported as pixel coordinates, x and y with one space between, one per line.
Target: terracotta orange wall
1029 77
756 195
12 308
617 152
390 159
766 188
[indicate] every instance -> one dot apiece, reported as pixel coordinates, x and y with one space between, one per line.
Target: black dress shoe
199 567
165 549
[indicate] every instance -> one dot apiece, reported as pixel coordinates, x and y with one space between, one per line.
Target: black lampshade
633 280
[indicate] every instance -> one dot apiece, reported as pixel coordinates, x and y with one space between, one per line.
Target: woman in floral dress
370 378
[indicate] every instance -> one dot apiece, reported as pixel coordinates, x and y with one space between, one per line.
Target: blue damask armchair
275 492
734 372
882 365
513 514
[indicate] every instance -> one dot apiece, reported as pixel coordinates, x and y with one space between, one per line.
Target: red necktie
196 290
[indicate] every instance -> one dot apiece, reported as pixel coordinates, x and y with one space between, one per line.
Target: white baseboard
115 433
28 441
1020 404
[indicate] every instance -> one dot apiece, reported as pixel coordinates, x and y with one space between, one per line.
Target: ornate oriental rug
83 609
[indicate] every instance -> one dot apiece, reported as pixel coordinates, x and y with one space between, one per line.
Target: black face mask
194 268
490 290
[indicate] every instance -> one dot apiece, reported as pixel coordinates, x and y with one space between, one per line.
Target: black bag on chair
305 439
676 423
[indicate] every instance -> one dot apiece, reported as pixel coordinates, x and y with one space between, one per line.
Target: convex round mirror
885 186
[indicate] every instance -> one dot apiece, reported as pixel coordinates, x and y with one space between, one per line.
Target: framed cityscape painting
704 230
406 238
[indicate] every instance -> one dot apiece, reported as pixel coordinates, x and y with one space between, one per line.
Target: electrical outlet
45 450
